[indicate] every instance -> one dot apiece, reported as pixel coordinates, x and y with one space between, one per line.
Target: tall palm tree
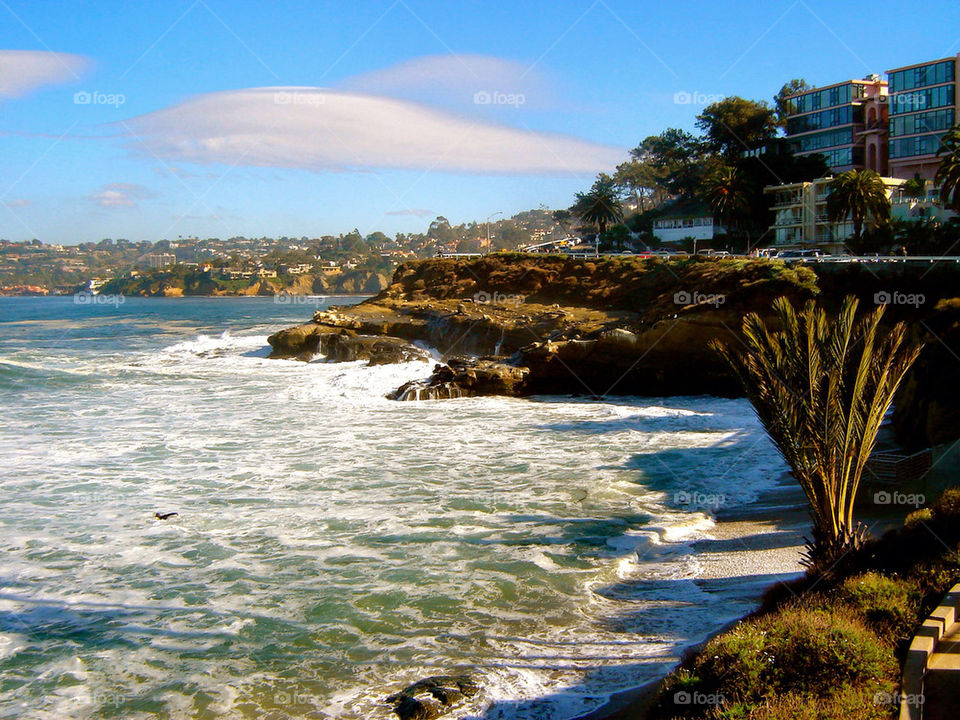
948 174
821 388
859 195
601 206
727 193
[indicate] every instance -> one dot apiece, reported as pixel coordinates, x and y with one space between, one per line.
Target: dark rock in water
431 697
466 377
376 349
344 345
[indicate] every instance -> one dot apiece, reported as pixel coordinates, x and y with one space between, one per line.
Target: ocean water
332 545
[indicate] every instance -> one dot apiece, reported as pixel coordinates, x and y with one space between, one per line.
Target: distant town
348 262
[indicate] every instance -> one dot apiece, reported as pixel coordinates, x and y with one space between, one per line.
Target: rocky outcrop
673 357
376 350
304 342
633 332
467 377
433 696
635 326
301 342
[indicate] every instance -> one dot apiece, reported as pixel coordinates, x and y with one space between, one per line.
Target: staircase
931 673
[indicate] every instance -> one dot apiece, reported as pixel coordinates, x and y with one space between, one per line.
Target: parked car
800 255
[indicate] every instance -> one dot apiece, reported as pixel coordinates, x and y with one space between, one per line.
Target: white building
686 221
160 260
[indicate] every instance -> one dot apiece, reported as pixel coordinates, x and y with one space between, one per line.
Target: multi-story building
845 122
800 215
159 260
924 105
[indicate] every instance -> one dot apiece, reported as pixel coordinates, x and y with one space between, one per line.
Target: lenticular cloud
318 129
22 71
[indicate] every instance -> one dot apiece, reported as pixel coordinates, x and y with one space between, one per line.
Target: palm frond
821 386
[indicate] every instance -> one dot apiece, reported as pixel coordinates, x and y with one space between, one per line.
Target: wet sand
758 545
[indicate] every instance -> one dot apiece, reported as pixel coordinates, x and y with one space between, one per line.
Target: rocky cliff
521 324
623 326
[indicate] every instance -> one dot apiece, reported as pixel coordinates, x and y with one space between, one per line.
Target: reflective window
831 138
923 76
914 146
823 120
916 100
818 99
933 121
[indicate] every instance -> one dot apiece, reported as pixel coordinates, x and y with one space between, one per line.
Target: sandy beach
757 545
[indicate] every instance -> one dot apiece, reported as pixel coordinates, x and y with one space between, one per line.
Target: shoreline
760 543
768 538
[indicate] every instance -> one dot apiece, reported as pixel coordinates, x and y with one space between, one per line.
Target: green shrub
947 506
935 577
848 704
818 652
890 607
923 515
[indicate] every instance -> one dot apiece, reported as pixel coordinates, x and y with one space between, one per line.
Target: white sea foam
332 546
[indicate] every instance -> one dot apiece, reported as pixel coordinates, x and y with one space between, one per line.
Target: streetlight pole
492 215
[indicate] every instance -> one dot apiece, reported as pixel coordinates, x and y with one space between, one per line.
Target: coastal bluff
516 324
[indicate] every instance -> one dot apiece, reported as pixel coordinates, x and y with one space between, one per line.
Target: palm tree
948 174
601 206
859 195
726 192
821 388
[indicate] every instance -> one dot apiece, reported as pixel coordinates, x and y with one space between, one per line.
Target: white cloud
19 202
320 129
22 71
116 195
456 80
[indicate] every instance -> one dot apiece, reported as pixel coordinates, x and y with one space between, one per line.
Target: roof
685 209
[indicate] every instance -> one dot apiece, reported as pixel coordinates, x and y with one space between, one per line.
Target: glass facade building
923 107
831 121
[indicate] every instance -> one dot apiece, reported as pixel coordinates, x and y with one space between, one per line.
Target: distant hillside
180 282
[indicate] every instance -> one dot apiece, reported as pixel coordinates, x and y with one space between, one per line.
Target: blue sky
214 118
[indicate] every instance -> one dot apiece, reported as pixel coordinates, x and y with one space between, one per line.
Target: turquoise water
331 545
